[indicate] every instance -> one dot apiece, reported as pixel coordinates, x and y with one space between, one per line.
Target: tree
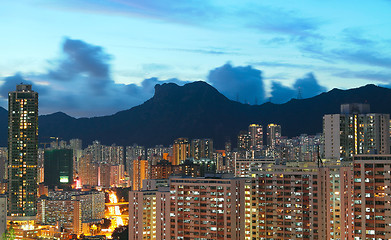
9 234
121 233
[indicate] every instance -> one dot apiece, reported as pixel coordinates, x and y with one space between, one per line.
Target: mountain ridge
198 110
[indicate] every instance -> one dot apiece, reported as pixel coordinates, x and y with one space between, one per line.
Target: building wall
149 212
372 197
3 214
207 208
22 152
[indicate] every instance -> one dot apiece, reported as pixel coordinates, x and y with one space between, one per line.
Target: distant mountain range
197 110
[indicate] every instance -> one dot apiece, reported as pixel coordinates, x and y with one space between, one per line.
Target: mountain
197 110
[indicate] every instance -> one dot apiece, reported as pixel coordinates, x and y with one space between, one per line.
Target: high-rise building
372 197
255 131
201 148
140 172
22 153
3 163
356 131
58 168
273 134
181 150
88 171
207 208
149 212
3 214
244 141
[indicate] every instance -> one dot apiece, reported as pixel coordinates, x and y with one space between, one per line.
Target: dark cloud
80 84
307 87
81 59
238 83
11 82
281 93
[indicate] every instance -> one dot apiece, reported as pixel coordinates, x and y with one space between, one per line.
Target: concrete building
88 171
181 151
66 214
355 131
273 134
22 153
255 131
3 214
372 197
201 148
207 208
140 172
244 141
149 214
58 168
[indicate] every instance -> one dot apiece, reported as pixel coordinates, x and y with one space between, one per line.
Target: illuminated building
149 212
187 168
273 134
22 153
245 166
181 150
207 208
133 153
201 148
356 131
153 184
3 214
58 168
162 170
244 141
64 213
140 172
255 132
284 203
372 197
3 186
88 171
3 163
92 204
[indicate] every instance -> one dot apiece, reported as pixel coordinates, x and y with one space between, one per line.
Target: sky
97 57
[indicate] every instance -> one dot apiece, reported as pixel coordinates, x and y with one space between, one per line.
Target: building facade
22 153
355 131
372 197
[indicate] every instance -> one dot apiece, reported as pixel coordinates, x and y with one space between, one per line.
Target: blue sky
91 58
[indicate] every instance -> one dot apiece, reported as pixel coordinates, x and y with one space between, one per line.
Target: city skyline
96 58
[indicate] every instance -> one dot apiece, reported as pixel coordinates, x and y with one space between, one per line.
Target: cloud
83 60
285 23
307 87
355 36
238 83
369 75
185 12
11 82
80 83
281 93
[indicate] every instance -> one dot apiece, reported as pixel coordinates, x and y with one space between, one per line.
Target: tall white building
355 131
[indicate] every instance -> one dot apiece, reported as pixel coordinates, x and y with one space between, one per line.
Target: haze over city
94 58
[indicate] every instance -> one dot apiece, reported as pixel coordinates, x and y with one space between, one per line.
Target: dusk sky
97 57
